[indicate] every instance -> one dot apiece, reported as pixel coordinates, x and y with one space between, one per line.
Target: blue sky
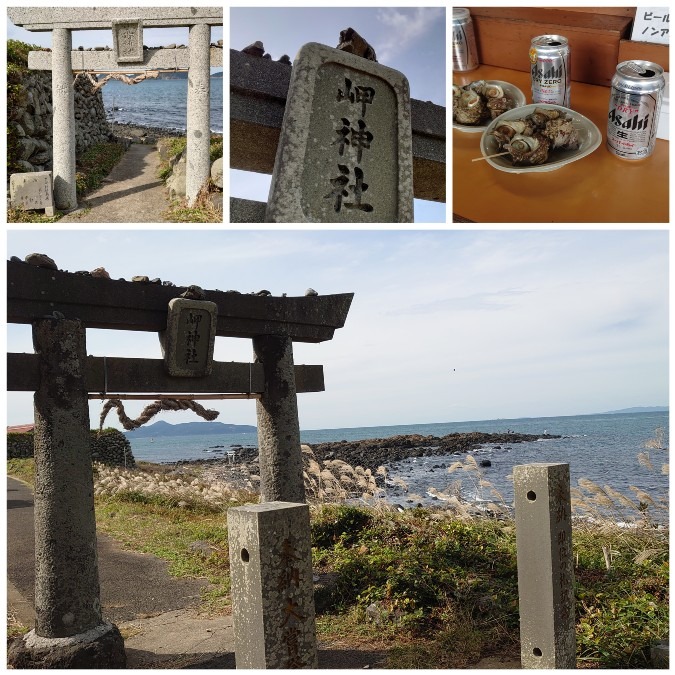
411 40
445 325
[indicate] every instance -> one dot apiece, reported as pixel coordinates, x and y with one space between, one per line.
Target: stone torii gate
127 24
70 630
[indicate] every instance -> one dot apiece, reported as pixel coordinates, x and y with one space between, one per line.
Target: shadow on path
132 193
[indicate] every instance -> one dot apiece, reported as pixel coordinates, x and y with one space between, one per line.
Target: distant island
163 429
639 409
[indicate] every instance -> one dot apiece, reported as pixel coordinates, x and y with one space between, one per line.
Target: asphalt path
133 585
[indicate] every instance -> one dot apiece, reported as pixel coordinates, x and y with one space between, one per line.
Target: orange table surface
600 188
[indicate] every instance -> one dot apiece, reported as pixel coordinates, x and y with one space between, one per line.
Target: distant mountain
218 74
162 429
639 409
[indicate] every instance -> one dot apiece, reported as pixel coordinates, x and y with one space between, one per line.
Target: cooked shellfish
528 149
489 99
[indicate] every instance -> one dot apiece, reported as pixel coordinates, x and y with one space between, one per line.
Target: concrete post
545 565
69 630
198 111
278 425
272 586
63 126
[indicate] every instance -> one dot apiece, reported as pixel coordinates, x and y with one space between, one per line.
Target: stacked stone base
100 647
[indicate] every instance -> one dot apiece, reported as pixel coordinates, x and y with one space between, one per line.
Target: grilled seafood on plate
530 139
479 102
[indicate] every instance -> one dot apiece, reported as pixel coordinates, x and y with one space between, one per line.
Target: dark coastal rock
371 453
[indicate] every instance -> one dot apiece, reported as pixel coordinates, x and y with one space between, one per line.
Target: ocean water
158 103
602 448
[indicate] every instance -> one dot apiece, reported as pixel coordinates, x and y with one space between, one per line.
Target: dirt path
132 193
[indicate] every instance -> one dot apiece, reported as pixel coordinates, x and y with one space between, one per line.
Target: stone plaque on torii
60 306
127 39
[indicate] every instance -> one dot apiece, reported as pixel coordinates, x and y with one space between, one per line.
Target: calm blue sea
158 103
602 448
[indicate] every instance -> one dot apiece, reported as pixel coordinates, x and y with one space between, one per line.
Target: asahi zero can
634 107
464 52
550 70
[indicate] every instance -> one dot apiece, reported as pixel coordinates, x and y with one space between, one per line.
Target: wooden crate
646 51
504 35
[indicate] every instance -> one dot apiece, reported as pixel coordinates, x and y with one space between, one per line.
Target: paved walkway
132 193
155 610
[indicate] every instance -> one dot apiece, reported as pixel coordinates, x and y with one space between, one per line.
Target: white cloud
406 27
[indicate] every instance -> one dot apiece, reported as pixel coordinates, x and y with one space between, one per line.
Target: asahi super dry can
634 107
550 70
464 52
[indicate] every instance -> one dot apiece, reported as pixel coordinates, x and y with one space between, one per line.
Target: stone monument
345 150
272 586
545 565
32 191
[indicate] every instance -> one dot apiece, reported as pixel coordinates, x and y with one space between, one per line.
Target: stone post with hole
545 565
272 586
69 630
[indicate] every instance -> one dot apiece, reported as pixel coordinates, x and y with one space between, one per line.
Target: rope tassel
151 410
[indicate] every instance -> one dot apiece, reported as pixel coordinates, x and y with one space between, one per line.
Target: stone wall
31 122
110 447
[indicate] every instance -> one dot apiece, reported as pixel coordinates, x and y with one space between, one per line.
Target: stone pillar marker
272 586
345 150
63 128
69 630
278 425
545 565
198 111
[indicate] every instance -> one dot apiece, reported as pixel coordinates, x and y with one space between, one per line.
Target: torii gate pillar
198 112
63 101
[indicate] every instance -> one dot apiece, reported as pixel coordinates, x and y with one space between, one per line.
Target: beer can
464 52
550 70
634 108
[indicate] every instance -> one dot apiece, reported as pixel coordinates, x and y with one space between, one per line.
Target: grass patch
423 586
95 164
23 469
202 211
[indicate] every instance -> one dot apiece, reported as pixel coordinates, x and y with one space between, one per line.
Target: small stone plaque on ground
32 190
190 337
345 151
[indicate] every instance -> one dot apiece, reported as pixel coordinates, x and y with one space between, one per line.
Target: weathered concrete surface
272 586
63 122
345 149
247 211
87 18
132 193
545 565
66 574
278 425
152 58
198 112
258 93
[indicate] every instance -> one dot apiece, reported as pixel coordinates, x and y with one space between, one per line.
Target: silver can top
553 42
460 15
640 77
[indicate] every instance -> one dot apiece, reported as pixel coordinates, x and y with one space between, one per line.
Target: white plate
589 140
510 91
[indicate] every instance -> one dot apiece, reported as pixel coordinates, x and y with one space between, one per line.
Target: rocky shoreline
372 453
